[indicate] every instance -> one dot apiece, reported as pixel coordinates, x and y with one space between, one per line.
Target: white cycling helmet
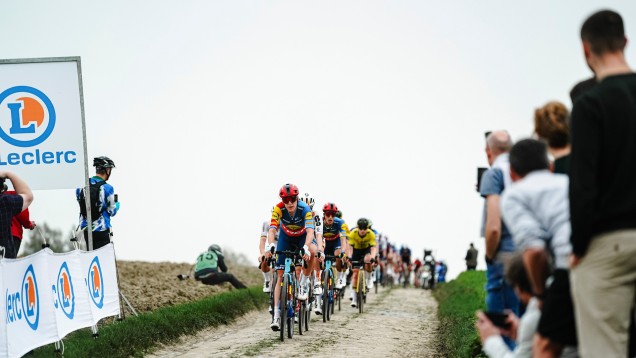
308 200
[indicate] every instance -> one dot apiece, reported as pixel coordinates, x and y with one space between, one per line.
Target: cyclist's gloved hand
117 206
305 252
321 256
269 250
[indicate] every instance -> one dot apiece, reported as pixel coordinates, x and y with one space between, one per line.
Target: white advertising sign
45 296
41 122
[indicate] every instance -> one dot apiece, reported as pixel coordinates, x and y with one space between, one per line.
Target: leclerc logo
94 282
31 298
27 116
63 292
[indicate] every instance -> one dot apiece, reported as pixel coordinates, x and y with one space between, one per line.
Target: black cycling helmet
103 162
339 214
215 247
363 224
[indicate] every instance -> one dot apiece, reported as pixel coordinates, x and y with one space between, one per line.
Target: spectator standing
10 206
603 193
106 201
471 257
499 245
535 209
20 221
551 126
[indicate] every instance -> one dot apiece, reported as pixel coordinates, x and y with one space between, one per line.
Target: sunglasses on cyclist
330 213
289 199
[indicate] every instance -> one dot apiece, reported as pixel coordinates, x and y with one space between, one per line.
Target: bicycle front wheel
326 276
361 289
283 306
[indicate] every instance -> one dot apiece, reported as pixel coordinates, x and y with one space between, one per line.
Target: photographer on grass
206 269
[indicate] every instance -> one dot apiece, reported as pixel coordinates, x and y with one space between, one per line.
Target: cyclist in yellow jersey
362 247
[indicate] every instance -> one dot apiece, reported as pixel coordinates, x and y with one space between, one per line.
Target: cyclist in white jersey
263 263
319 242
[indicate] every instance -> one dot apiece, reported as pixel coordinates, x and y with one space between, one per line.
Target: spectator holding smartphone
521 330
499 244
11 205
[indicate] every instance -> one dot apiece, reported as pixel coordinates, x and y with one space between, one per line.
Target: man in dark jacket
471 257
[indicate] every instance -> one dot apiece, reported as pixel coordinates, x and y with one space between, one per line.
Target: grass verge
137 335
458 300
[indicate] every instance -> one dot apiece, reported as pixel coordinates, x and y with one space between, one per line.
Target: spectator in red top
22 220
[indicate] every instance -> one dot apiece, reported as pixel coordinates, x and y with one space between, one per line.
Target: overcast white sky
207 108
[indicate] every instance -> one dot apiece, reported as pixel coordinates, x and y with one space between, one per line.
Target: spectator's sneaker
302 294
275 326
317 290
266 286
341 282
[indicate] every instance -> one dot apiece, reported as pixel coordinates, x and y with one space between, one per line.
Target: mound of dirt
151 285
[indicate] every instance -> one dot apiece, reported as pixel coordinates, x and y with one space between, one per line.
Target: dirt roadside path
403 323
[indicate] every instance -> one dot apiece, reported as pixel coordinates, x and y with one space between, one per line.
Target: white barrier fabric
47 295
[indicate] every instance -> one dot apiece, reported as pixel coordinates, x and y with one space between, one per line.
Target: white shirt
536 210
495 347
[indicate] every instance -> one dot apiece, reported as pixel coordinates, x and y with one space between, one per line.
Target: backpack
96 209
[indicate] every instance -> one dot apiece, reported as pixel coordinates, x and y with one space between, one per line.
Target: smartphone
480 173
499 319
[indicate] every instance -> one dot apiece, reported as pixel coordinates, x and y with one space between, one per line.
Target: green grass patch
137 335
458 301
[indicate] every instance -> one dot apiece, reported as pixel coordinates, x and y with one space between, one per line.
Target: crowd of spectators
559 217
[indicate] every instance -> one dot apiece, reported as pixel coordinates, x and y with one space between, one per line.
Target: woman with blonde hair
551 124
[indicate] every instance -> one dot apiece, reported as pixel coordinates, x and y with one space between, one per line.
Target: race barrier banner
48 295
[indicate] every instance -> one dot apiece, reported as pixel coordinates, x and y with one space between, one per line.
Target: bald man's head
498 142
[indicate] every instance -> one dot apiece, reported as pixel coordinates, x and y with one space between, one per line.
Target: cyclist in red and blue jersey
335 237
296 223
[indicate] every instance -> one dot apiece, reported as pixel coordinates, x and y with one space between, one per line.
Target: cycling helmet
308 200
103 162
363 224
215 247
288 190
339 214
330 207
370 223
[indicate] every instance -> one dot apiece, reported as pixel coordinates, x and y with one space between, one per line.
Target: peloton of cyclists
295 221
362 247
